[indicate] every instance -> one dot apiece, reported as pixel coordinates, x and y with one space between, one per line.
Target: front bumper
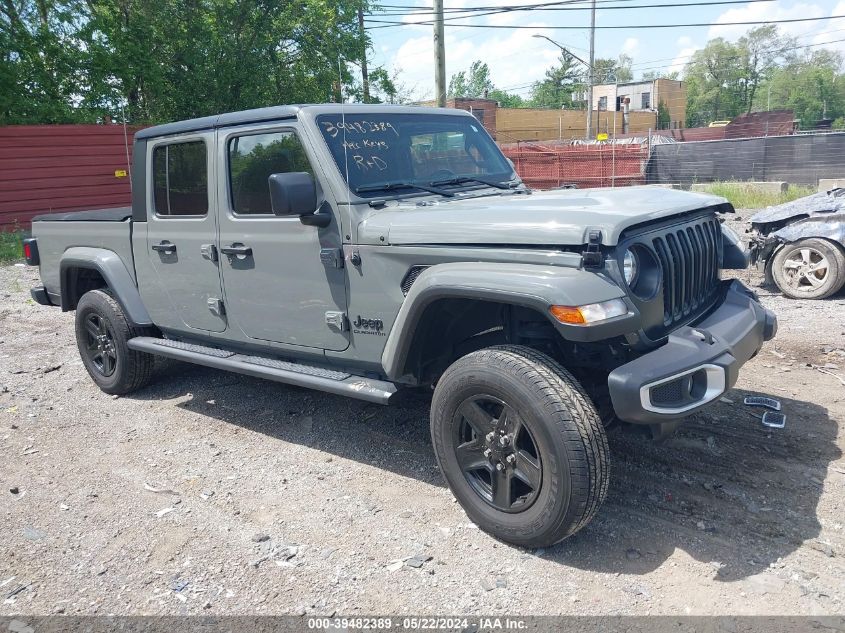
696 365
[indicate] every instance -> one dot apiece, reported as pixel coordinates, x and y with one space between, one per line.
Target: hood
559 217
832 201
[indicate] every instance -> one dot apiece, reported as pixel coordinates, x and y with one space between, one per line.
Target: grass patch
11 245
746 196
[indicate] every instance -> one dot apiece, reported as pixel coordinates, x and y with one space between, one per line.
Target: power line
732 57
543 7
389 24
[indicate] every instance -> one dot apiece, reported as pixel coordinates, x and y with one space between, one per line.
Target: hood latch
592 256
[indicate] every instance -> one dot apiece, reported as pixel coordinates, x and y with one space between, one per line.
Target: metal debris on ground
165 491
830 373
774 420
763 401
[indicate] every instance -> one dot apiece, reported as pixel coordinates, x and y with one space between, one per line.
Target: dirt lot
215 493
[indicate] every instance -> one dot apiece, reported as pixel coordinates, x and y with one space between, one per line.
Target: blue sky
516 59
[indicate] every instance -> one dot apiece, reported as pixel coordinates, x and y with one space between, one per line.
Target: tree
664 117
475 83
761 50
812 86
651 75
507 100
159 60
557 87
724 78
713 83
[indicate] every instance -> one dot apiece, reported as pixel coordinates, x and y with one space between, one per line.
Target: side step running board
329 380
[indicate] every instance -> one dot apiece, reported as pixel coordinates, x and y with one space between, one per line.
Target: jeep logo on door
368 326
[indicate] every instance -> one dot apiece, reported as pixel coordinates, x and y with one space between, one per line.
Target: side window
253 159
180 179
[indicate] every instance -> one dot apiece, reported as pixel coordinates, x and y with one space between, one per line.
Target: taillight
30 251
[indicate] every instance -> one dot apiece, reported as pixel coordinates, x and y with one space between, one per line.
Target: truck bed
56 233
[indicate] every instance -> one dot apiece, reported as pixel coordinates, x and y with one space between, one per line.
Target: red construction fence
553 165
46 168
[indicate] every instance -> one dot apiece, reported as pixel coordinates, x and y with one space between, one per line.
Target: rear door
186 292
289 282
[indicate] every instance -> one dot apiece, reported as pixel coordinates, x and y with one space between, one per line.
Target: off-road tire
565 426
131 369
786 279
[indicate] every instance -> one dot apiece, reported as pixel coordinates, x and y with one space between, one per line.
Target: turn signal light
591 313
567 314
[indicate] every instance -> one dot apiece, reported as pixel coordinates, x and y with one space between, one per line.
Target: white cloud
685 41
762 11
631 46
681 59
516 59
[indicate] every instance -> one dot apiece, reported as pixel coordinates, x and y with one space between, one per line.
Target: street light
562 48
589 66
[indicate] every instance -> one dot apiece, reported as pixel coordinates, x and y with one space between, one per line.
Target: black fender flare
529 285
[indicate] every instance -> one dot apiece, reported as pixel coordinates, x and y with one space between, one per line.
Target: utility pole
365 75
440 55
592 74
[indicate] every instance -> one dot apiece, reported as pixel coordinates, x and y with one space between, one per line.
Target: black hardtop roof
280 112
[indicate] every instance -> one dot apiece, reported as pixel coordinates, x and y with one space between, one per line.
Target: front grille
690 256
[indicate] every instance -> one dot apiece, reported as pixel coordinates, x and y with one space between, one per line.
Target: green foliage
651 75
724 78
559 84
812 86
474 83
73 60
507 100
11 245
664 118
747 196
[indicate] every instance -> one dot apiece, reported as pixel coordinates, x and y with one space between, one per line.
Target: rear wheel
520 445
102 334
809 269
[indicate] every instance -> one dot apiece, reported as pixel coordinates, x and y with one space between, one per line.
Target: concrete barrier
775 187
826 184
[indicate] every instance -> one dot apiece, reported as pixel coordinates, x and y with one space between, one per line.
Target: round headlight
629 266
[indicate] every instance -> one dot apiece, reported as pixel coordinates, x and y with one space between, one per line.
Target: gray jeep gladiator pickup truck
370 250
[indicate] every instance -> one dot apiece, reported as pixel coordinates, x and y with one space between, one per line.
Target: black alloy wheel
100 344
497 453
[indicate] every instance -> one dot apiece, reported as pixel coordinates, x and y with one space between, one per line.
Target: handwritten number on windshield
362 126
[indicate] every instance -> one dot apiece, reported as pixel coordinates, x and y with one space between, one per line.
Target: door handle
165 247
236 250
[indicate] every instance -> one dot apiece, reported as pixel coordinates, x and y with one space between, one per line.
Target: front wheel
520 445
809 269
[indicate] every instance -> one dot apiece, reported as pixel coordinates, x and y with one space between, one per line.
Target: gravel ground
209 492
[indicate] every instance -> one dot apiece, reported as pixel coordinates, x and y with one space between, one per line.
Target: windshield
397 151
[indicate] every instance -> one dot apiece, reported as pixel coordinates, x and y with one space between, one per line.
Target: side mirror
293 193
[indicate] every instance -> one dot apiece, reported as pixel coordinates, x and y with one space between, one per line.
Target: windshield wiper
459 180
392 186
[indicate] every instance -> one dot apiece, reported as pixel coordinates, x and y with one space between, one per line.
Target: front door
186 292
282 278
